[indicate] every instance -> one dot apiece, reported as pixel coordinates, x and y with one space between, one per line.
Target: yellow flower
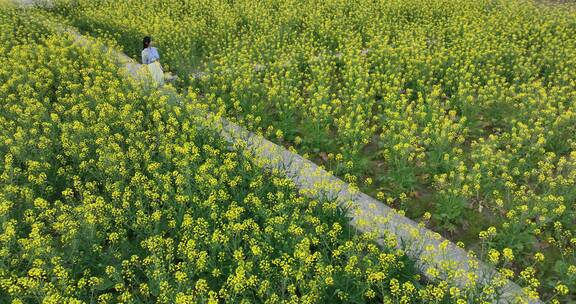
180 276
539 257
572 270
394 287
454 292
508 254
561 289
432 272
493 256
370 294
201 286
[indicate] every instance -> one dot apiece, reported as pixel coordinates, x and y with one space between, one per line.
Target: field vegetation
112 193
460 113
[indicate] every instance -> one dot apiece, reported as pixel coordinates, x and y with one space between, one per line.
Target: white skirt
156 72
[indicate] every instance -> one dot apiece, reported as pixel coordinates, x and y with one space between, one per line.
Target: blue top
150 55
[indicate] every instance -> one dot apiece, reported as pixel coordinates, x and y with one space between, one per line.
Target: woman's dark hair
146 41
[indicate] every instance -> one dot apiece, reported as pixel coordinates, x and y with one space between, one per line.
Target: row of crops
460 113
111 193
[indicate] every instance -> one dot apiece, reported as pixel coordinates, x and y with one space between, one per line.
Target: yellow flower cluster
464 108
111 193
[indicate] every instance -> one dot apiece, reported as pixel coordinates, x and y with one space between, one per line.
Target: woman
150 58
